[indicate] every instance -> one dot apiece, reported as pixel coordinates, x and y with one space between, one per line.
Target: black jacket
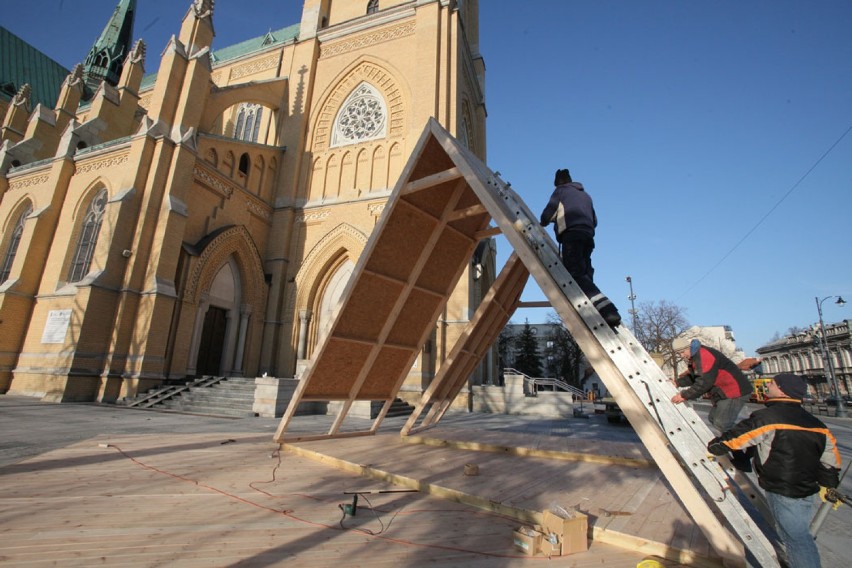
571 208
711 372
796 453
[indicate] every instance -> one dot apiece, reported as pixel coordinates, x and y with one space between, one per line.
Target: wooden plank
472 211
490 232
494 311
432 180
531 452
333 434
544 304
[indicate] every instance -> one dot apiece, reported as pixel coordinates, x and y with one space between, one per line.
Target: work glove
741 459
826 494
717 447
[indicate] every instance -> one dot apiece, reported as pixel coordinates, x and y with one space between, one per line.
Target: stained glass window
14 241
362 117
248 122
88 238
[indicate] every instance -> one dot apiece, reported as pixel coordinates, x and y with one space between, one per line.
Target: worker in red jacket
709 371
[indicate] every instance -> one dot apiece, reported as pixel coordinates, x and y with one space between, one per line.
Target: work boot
607 310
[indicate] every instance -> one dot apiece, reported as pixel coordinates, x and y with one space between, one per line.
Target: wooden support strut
491 316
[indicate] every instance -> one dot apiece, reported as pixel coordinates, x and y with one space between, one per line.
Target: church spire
106 58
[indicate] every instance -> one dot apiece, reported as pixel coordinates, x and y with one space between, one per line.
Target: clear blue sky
704 131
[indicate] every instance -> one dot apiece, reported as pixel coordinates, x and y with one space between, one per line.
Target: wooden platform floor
628 501
208 499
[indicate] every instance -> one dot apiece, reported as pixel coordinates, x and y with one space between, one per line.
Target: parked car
832 400
613 412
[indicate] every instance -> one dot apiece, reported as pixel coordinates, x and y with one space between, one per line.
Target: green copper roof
22 63
219 56
255 44
106 58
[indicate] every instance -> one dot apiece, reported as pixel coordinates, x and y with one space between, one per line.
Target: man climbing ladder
571 210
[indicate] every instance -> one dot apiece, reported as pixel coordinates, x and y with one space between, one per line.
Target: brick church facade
204 219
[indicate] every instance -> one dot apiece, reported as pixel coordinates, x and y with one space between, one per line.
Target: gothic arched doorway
220 307
331 294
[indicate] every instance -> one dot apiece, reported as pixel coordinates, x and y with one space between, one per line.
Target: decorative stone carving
313 216
235 241
253 67
28 182
367 40
212 181
100 164
258 210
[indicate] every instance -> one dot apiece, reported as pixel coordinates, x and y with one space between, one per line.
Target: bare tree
659 323
792 330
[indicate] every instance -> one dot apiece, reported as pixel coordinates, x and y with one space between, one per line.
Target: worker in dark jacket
796 458
571 210
709 371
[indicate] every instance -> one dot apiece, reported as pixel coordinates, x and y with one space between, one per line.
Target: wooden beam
544 304
431 181
314 437
530 452
489 232
468 350
471 211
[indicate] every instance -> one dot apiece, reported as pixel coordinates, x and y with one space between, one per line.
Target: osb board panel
408 328
470 225
434 199
404 235
432 159
490 318
333 376
385 313
368 307
468 199
451 251
391 363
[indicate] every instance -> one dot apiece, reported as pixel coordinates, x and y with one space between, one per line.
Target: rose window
362 117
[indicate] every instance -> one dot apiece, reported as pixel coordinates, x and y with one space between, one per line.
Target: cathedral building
204 219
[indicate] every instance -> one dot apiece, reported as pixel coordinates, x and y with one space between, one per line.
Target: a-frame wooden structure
441 207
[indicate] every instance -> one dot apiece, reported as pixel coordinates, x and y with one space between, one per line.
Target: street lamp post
632 298
826 356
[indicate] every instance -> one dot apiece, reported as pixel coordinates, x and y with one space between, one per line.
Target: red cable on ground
289 513
194 482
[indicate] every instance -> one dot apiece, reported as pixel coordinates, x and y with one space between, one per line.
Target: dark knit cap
562 177
793 386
